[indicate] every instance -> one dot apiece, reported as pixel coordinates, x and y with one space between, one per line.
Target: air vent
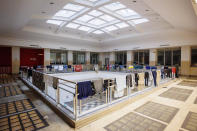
34 45
165 45
62 48
136 48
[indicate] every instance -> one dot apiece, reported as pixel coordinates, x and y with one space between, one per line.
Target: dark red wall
5 56
31 57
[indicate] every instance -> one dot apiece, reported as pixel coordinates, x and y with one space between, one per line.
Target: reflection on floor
177 94
158 111
188 83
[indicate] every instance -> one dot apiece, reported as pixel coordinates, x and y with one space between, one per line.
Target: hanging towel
98 85
84 89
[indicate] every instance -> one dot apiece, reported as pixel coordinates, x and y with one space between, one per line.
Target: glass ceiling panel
96 22
73 7
72 25
95 13
139 21
65 13
107 18
127 13
93 1
98 32
114 6
84 28
111 28
55 22
85 18
122 25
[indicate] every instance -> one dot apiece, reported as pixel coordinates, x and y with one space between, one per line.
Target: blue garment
148 67
153 67
84 89
154 77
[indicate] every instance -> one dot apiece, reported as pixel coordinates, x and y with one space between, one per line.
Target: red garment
173 70
78 68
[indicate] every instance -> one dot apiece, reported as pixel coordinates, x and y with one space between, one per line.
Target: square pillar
185 60
130 58
70 57
46 57
15 60
152 57
87 58
112 58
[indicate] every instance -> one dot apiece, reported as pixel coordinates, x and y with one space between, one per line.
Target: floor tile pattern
177 94
10 91
135 122
190 122
158 111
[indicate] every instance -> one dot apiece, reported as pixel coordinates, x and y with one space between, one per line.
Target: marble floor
158 110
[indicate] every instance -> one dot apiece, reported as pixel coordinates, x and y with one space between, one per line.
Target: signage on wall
32 59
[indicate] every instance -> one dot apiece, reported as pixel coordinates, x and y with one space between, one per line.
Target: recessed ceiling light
55 22
134 1
51 3
43 12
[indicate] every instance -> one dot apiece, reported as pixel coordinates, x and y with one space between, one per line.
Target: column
88 58
130 58
185 60
70 57
15 60
46 57
101 57
112 58
152 57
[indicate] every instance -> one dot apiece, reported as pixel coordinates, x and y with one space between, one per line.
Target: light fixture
139 21
84 28
127 13
98 32
122 25
96 22
73 7
65 13
72 25
55 22
111 28
85 18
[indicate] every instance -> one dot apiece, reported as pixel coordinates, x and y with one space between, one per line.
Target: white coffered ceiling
99 22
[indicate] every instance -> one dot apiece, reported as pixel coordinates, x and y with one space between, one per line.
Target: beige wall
185 60
15 59
152 57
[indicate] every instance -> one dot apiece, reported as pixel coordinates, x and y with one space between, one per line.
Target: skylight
95 13
122 25
84 28
114 6
98 32
127 13
139 21
107 18
55 22
72 25
65 13
73 7
97 22
111 28
85 18
93 0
